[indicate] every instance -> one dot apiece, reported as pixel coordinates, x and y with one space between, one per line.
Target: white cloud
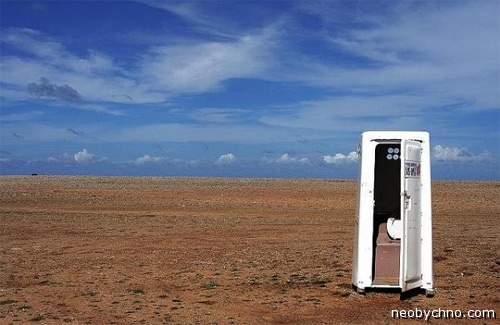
218 115
286 158
441 153
225 159
65 157
83 156
414 65
95 76
340 158
206 18
451 52
27 40
347 113
203 66
148 159
156 75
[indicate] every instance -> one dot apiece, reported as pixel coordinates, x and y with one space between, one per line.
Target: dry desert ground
139 250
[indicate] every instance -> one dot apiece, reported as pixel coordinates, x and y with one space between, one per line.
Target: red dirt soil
125 250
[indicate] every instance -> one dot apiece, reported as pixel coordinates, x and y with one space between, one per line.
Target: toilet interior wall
387 197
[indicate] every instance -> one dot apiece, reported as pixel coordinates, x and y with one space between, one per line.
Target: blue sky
245 88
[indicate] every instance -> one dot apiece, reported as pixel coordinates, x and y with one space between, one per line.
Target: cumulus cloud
340 158
226 159
83 156
46 89
148 159
441 153
65 157
286 158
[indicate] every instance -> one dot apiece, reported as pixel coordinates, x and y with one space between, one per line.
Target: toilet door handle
407 200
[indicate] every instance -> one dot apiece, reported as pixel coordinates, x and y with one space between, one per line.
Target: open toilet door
410 259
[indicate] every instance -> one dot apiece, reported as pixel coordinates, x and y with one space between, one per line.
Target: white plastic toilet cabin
393 233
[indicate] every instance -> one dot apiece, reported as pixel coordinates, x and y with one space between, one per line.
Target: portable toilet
393 232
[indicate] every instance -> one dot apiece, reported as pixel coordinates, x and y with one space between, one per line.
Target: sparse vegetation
7 302
211 285
87 250
137 291
37 318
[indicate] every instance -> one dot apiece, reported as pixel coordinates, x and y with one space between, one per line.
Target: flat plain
140 250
